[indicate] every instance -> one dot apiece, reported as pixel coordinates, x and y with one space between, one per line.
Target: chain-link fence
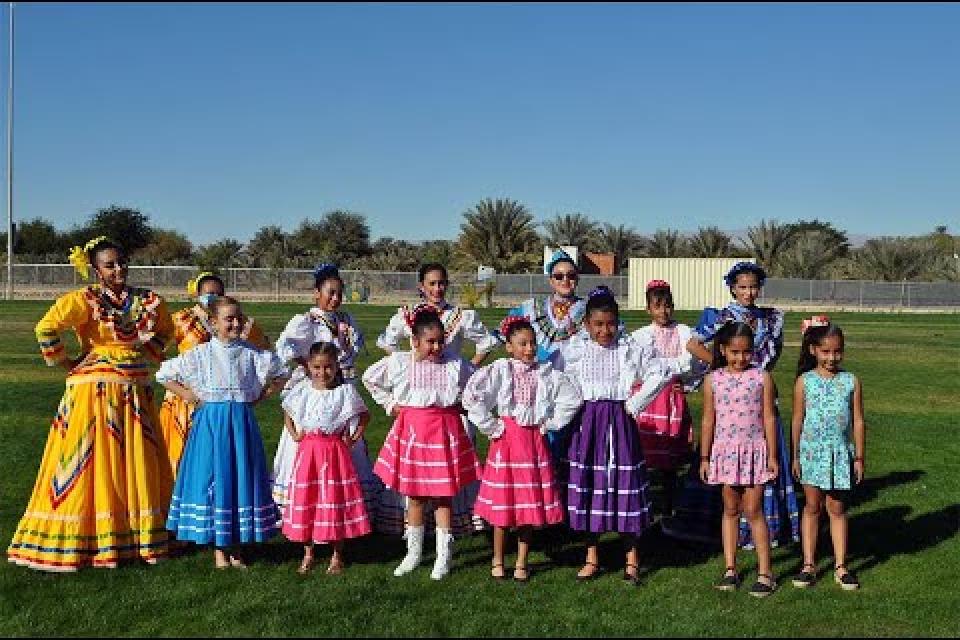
47 280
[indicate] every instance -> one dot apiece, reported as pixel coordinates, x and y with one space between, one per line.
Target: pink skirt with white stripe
518 487
665 429
324 497
427 454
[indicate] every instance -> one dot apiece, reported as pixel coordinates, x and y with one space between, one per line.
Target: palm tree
271 247
813 249
622 241
572 229
766 240
500 234
894 259
710 242
666 243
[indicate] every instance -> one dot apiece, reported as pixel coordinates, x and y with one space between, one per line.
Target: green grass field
904 531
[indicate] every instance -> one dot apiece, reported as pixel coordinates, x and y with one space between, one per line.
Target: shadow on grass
877 536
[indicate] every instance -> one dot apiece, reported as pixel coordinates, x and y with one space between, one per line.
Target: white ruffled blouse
535 394
399 379
317 325
458 325
623 371
219 371
328 411
670 342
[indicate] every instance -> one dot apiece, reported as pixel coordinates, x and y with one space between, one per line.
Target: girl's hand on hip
796 468
773 467
704 470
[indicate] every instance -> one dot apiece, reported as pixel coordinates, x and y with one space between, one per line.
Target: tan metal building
695 282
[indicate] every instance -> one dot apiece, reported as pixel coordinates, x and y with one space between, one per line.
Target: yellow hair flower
193 286
80 259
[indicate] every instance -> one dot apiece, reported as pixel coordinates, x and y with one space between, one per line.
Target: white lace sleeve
377 381
567 401
294 340
395 336
480 399
474 331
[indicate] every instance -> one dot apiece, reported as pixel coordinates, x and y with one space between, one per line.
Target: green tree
710 242
349 232
271 247
500 234
126 226
572 229
766 240
666 243
166 246
219 255
813 249
622 241
313 243
894 259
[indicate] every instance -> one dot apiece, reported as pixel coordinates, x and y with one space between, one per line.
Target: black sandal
848 581
728 582
633 579
589 576
494 568
762 589
805 578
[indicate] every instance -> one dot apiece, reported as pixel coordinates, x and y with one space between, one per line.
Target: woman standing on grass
104 484
459 325
193 326
699 505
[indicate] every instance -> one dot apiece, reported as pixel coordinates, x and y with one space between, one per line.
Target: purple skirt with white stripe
607 489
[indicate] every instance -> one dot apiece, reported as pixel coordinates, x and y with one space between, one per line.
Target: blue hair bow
602 290
558 256
745 267
325 269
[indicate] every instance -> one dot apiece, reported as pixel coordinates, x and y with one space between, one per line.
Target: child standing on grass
222 492
665 423
515 401
828 444
325 322
324 417
427 455
739 441
607 490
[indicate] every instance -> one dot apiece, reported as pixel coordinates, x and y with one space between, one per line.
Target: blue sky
218 119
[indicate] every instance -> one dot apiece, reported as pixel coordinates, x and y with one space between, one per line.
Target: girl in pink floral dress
739 433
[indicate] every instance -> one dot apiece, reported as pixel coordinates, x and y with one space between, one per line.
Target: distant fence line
43 280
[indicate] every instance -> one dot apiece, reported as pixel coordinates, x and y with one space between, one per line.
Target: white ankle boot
411 561
441 567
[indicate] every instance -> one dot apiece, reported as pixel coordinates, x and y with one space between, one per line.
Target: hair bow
508 322
745 267
813 321
80 258
325 269
193 286
658 284
410 315
602 290
558 256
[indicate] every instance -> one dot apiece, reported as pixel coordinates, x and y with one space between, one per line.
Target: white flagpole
10 166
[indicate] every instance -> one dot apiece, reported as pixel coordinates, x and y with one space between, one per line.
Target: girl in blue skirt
221 495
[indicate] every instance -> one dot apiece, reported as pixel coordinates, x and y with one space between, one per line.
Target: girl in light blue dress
828 444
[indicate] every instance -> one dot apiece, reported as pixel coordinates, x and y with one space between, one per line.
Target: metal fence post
861 294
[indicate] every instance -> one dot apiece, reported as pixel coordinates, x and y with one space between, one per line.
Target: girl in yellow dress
104 485
192 326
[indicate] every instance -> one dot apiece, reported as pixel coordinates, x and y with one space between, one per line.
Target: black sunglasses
565 276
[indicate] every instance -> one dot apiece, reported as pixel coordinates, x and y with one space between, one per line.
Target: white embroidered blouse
317 325
458 325
623 371
669 342
328 411
219 371
535 394
401 380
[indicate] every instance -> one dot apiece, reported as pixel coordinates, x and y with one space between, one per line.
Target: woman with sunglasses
555 319
459 326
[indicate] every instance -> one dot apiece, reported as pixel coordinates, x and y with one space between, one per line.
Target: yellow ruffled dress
104 485
191 328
